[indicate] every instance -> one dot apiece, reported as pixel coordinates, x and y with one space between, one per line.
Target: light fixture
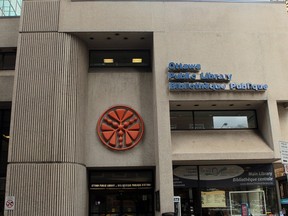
108 61
137 60
7 137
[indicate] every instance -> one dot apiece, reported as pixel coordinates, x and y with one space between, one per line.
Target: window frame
195 121
4 54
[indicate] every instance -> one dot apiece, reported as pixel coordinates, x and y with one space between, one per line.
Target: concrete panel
245 39
111 16
201 146
107 88
6 87
47 121
9 31
164 174
47 189
42 16
249 57
283 118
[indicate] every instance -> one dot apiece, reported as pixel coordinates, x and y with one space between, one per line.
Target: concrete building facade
212 97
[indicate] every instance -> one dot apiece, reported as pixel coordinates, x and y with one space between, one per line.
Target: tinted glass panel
119 58
203 120
181 120
121 192
225 119
7 60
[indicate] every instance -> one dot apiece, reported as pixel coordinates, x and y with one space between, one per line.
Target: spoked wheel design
120 128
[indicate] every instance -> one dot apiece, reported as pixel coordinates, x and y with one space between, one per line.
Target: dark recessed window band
7 60
213 119
119 58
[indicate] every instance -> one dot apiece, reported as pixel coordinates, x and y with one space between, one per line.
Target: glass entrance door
121 192
190 202
124 202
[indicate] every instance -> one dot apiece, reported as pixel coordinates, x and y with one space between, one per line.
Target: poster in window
213 199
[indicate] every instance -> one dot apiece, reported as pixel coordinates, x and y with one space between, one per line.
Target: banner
219 175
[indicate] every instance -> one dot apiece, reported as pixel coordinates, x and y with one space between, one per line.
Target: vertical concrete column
269 125
163 151
46 170
275 127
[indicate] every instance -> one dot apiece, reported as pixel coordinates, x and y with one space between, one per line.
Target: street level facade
142 108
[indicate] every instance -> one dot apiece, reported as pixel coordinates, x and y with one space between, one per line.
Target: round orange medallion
120 128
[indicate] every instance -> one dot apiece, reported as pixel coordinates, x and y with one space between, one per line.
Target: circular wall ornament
120 128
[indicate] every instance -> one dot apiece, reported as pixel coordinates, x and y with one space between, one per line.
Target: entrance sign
122 186
187 77
284 152
9 203
230 175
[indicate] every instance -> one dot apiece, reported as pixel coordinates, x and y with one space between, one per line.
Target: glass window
222 190
7 60
119 58
182 120
214 119
10 7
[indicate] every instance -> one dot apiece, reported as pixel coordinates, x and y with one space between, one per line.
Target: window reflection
207 120
230 122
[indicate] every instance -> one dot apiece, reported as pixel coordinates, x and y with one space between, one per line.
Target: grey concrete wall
46 97
229 146
244 39
9 31
164 174
6 85
47 189
53 121
107 88
8 38
283 117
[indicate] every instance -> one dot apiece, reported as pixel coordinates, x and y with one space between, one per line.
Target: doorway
121 193
190 202
124 202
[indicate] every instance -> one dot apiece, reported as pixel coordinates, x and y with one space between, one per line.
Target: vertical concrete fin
47 189
50 88
40 16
